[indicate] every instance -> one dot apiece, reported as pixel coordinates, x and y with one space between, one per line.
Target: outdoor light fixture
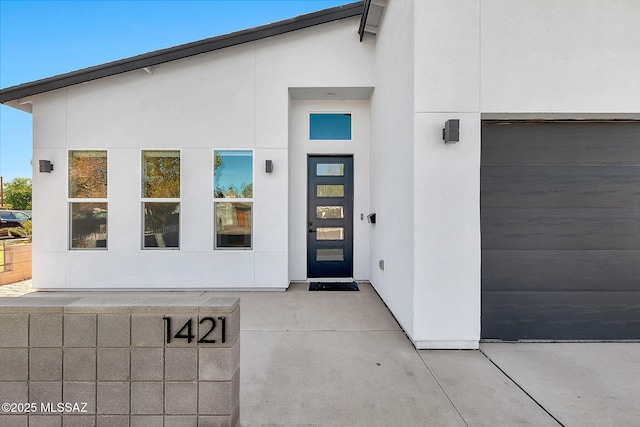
451 131
268 166
46 166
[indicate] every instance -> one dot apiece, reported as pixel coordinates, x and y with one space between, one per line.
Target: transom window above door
330 126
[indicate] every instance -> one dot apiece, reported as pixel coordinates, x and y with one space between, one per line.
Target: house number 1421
207 325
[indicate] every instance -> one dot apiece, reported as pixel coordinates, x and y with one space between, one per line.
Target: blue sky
40 39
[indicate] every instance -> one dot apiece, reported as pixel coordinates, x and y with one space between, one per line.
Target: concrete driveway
340 359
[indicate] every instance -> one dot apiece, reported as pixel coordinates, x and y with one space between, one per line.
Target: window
233 179
88 199
161 199
329 126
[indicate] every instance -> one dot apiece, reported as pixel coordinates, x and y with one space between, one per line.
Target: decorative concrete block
45 420
147 398
147 421
112 398
80 392
218 364
113 364
147 364
114 330
45 330
234 325
179 326
180 421
13 392
79 364
14 330
13 420
79 421
80 330
14 363
215 398
45 364
147 330
180 398
45 392
112 421
181 364
215 421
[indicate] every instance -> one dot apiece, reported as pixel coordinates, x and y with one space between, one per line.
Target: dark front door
330 216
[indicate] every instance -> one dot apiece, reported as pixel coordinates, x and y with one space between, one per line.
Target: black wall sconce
46 166
451 131
268 166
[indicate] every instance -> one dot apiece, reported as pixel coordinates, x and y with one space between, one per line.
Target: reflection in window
330 233
329 212
330 254
233 224
87 174
161 225
325 190
233 174
161 174
88 225
330 169
88 180
329 126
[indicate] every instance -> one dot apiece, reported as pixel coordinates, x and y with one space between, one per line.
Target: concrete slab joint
88 361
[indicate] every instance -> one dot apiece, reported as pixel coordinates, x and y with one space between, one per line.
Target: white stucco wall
570 56
447 177
235 98
392 183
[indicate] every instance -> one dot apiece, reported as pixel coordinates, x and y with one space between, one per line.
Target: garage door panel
560 270
559 187
560 224
561 315
587 229
565 144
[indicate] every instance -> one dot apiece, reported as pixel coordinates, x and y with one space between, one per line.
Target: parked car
10 219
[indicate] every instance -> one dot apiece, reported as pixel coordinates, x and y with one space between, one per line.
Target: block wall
17 264
93 365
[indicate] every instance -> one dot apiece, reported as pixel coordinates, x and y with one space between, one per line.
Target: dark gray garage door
560 215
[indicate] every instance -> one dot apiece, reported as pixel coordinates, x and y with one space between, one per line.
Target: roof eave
179 52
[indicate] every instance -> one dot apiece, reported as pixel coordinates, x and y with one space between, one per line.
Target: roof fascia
181 51
363 19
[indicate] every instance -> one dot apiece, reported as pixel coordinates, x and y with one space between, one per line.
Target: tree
161 175
17 193
88 174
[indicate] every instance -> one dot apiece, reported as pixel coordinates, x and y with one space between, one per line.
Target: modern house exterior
313 149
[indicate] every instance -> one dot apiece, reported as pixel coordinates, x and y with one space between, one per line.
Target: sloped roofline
181 51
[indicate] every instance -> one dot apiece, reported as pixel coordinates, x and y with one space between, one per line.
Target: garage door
560 219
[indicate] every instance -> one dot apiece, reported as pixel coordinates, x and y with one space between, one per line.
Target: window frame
144 200
79 200
216 200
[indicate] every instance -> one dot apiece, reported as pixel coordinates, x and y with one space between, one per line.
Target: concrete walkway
340 359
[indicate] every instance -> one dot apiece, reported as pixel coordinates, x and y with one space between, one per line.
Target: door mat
333 286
